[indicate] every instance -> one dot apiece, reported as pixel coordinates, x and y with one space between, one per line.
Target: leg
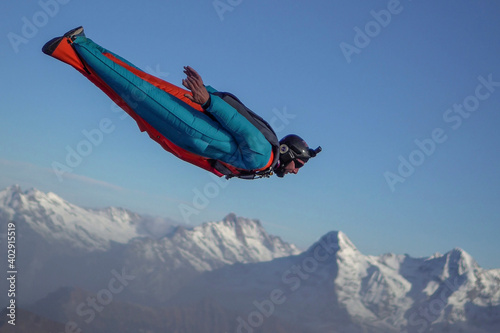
146 101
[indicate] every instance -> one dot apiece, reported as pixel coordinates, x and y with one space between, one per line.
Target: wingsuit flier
210 129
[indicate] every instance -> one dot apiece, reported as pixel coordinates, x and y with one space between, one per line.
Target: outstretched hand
193 82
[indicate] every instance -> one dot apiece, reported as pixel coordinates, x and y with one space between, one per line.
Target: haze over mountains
112 270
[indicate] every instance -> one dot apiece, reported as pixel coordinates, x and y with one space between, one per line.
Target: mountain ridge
239 266
388 293
57 235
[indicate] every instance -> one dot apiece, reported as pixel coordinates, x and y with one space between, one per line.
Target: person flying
210 129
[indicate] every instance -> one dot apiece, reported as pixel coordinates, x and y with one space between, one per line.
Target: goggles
299 163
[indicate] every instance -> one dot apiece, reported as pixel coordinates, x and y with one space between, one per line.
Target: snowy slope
235 239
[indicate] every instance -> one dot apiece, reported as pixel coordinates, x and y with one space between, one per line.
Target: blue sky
403 96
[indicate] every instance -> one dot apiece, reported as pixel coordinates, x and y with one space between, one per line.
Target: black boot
52 44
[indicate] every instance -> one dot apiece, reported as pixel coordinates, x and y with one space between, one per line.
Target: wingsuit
223 137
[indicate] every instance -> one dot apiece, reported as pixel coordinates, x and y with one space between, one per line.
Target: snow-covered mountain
234 239
233 266
85 245
62 223
332 287
169 263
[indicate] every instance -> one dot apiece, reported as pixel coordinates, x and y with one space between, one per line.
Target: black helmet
293 147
